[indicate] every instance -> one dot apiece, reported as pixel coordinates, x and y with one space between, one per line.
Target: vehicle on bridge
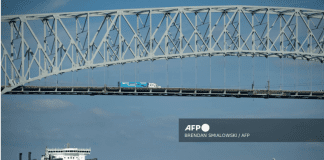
138 85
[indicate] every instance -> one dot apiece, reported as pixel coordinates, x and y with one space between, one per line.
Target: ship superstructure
66 153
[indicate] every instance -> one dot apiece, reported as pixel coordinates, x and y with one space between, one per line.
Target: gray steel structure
173 32
196 92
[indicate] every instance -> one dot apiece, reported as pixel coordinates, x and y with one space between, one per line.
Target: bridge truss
56 43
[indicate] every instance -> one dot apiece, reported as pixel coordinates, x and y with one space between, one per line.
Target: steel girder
180 92
134 35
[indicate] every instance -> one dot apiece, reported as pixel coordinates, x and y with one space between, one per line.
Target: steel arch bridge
51 44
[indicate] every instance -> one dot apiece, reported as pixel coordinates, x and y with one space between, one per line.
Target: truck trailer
138 85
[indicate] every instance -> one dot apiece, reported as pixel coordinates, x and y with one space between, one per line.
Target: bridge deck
198 92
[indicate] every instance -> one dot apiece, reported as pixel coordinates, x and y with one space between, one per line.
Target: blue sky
128 127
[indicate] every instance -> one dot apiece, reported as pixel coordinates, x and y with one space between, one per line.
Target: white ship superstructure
66 153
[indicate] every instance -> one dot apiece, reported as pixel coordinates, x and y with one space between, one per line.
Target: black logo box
254 130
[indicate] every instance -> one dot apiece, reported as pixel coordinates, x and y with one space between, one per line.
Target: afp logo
205 127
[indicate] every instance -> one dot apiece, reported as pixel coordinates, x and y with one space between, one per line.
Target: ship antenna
68 145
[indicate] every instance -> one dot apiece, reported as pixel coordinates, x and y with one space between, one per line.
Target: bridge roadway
196 92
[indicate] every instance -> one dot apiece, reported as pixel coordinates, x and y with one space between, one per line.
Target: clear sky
127 127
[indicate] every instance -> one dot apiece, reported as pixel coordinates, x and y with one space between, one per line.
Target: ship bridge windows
54 151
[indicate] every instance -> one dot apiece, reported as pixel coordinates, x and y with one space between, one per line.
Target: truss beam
135 35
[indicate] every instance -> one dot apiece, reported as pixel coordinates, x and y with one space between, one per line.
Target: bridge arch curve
157 33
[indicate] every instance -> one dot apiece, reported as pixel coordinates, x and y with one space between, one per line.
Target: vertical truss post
167 73
280 34
136 33
296 46
39 60
196 70
107 77
268 69
296 36
28 55
119 34
239 40
123 72
210 30
268 43
72 80
12 46
5 69
225 49
239 32
151 43
281 72
224 71
105 55
107 40
253 72
56 56
76 40
281 49
120 72
210 71
181 70
308 41
151 71
105 68
22 51
181 35
72 58
45 44
225 30
268 32
311 75
253 34
239 71
295 74
166 37
89 38
196 32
